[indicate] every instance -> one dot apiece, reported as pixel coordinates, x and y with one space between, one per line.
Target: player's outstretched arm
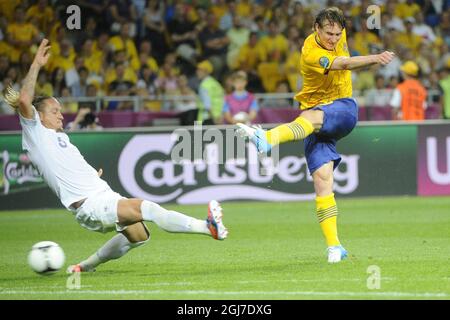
24 99
350 63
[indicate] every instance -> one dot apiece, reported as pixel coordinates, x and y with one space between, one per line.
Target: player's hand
385 57
42 53
100 172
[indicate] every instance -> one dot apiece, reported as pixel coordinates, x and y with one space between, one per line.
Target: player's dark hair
39 102
332 15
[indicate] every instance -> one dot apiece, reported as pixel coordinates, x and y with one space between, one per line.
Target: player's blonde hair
12 97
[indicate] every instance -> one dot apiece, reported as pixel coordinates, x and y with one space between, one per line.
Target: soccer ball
46 257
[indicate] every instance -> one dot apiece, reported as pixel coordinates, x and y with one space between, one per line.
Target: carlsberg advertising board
196 165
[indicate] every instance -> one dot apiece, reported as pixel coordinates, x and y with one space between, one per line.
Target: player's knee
140 242
314 116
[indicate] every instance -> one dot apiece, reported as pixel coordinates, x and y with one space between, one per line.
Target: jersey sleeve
29 122
31 130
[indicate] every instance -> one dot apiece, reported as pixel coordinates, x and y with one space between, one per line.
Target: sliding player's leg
133 210
131 237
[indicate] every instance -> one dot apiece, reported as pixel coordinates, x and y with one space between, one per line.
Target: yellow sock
298 129
327 215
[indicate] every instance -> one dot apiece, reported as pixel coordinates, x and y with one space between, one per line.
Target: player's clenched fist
385 57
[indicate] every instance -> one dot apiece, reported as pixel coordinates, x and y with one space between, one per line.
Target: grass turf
274 251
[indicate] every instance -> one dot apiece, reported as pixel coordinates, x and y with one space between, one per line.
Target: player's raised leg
298 129
327 211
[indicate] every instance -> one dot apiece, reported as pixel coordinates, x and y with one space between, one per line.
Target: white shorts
99 212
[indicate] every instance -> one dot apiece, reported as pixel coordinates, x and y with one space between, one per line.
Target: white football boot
214 221
336 254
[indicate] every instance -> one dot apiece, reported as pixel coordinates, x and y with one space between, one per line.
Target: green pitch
274 251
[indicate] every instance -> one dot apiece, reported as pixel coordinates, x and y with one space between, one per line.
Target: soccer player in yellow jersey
330 114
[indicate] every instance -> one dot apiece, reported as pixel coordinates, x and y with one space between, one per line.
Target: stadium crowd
147 48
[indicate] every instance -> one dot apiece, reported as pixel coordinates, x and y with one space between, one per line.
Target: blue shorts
339 119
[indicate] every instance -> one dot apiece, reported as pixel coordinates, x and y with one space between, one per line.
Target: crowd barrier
124 119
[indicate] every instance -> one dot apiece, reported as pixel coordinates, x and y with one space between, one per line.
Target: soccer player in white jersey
79 186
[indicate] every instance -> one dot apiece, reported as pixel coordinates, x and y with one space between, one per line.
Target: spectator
43 87
79 88
120 69
260 27
155 28
444 84
379 96
123 42
65 58
409 39
73 74
409 98
167 81
240 106
187 106
4 65
94 60
120 89
214 44
86 119
21 34
393 22
219 9
365 79
69 105
226 21
88 31
274 44
292 65
423 30
249 57
146 57
238 36
183 35
406 9
13 74
58 82
120 13
43 14
211 95
95 9
120 80
363 38
25 61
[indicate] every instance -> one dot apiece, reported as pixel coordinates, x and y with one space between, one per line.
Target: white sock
172 221
116 247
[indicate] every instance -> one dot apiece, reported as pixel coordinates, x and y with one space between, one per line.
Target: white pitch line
227 293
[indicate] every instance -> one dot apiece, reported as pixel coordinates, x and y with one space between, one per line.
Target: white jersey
61 164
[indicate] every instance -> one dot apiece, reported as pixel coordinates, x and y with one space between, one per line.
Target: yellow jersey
320 84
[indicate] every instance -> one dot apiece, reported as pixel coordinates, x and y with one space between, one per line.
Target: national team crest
324 62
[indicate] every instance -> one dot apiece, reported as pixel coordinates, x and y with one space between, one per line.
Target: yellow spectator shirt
320 84
20 32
